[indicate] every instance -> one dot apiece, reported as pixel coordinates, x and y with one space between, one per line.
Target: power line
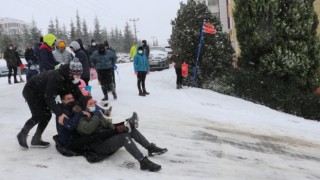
134 26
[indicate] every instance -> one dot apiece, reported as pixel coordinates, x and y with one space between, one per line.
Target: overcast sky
154 15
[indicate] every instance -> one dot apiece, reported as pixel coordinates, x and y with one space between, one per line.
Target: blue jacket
104 61
140 63
67 132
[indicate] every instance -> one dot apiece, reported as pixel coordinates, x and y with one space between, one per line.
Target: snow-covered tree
128 38
216 53
278 37
72 36
96 32
85 33
78 26
35 32
51 27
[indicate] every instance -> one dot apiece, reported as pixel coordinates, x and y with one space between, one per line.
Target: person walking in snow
83 58
141 69
178 60
40 93
60 54
19 63
104 61
46 59
10 57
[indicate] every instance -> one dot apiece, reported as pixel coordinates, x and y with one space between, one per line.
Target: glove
136 73
148 72
115 67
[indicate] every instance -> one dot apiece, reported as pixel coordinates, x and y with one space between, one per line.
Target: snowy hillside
208 135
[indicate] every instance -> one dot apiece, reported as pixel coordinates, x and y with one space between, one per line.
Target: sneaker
39 143
146 164
154 150
22 140
114 95
134 120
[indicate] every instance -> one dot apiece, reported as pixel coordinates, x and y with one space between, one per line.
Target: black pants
105 77
14 69
117 141
141 79
179 76
41 113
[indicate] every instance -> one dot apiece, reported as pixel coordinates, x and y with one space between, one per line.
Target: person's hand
121 128
148 72
136 73
86 114
61 118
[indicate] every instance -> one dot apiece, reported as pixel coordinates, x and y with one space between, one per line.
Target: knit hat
75 67
140 48
61 44
83 101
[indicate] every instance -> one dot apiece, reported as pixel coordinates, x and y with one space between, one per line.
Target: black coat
29 55
146 50
83 58
50 84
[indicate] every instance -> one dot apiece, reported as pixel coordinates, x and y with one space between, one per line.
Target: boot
155 150
141 93
22 139
114 95
178 87
15 80
38 142
146 164
105 98
9 81
145 92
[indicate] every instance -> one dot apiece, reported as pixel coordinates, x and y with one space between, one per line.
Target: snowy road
208 135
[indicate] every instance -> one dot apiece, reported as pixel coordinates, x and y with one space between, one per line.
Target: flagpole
198 54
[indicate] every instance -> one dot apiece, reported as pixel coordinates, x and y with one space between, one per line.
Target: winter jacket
178 60
104 61
67 132
29 55
140 63
50 84
92 49
133 50
83 58
146 50
10 57
46 59
63 57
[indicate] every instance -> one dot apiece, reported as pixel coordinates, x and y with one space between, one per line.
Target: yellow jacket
133 50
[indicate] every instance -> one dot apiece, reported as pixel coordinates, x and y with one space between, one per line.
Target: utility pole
135 28
153 43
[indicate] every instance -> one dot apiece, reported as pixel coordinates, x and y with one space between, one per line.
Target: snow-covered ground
208 135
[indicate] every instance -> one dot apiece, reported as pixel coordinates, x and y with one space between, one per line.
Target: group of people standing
83 127
14 63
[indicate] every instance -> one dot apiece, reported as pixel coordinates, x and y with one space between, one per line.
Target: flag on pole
209 28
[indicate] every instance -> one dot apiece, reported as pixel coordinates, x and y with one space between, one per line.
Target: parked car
4 71
158 58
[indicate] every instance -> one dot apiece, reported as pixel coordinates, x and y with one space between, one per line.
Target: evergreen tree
96 32
78 29
104 34
216 53
35 32
59 33
85 33
120 42
51 28
72 36
279 38
128 38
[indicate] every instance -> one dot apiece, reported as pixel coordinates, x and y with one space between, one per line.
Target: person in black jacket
40 93
146 48
83 58
93 47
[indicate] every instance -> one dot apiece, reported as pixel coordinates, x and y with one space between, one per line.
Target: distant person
32 63
36 50
61 54
10 57
178 61
46 59
20 66
107 46
133 51
83 58
93 47
40 93
104 61
146 48
141 69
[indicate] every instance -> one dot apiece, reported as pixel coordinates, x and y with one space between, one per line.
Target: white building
12 26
